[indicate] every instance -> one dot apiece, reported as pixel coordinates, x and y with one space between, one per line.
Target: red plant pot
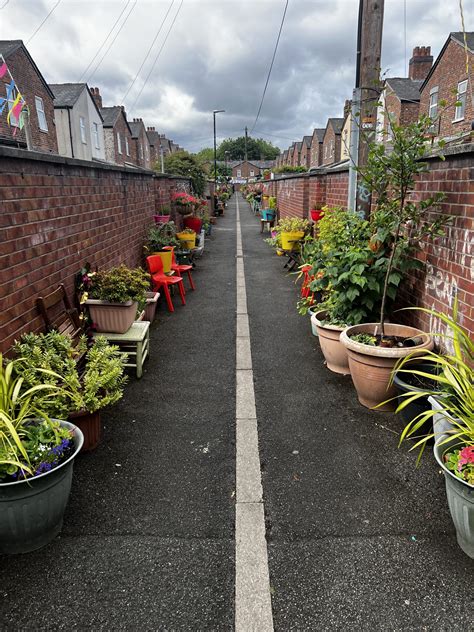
194 223
161 219
316 214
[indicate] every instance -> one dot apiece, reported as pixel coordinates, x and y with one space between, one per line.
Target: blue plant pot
268 215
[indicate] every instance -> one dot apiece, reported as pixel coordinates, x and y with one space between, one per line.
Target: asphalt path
148 538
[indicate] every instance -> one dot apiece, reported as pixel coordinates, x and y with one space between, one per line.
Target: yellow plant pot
188 239
166 257
289 241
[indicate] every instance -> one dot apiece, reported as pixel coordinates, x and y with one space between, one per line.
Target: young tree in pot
404 224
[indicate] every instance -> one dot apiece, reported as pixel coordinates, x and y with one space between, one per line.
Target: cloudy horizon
217 56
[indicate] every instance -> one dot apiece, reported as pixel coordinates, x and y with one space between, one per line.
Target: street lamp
215 147
226 154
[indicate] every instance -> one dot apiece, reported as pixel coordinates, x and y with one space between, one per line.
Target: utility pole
246 136
214 112
366 96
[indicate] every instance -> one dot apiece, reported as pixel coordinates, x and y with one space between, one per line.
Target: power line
4 4
275 135
148 52
271 66
112 42
158 55
45 19
103 43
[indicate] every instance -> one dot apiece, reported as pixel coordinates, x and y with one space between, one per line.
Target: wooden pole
368 73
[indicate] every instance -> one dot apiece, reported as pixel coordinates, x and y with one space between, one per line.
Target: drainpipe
70 131
353 149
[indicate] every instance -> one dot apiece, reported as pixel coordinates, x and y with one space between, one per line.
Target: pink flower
466 456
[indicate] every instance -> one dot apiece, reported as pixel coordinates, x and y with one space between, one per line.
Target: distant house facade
250 168
448 81
140 143
332 141
316 152
119 147
79 124
296 157
305 157
37 95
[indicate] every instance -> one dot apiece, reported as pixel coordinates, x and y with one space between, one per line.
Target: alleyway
356 537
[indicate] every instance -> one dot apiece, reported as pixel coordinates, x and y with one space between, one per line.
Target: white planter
460 496
442 423
314 323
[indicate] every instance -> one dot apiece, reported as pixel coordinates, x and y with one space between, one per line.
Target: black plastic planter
421 404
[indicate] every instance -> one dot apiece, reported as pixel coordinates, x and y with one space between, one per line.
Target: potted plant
36 462
454 443
269 214
407 222
187 238
316 213
151 304
161 239
116 297
162 216
88 379
291 231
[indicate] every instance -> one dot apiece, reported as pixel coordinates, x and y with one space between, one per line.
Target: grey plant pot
31 511
460 500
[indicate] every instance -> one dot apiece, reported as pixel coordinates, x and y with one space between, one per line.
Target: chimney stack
95 94
420 63
347 107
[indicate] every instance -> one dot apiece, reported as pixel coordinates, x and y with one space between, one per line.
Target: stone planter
333 350
371 366
116 318
151 303
460 496
32 510
314 322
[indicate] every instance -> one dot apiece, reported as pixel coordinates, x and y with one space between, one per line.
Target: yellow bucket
166 257
289 241
188 239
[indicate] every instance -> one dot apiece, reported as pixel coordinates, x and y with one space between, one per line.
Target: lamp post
215 147
226 154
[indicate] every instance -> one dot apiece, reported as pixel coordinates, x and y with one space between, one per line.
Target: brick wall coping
23 154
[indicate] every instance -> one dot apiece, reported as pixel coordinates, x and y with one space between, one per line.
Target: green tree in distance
180 163
257 149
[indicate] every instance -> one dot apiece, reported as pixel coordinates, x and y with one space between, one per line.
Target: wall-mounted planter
109 317
316 214
161 219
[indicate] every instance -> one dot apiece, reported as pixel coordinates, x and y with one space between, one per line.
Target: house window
82 127
433 107
42 122
239 173
252 173
461 100
127 146
11 101
140 150
119 143
95 134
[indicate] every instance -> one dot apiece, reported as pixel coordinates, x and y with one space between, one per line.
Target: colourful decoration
19 109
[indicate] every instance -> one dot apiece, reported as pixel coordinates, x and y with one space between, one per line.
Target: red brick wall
30 85
331 147
450 70
55 215
449 260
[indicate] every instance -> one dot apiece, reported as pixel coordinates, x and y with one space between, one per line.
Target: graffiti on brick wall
287 189
441 284
459 242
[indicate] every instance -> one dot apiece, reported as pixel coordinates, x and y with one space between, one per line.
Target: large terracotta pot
333 350
90 425
371 367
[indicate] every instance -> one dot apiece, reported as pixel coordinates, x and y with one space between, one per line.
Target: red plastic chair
181 268
161 280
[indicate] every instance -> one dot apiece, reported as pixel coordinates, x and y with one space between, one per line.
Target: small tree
390 174
180 163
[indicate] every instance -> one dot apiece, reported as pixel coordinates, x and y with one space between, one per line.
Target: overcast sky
217 56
